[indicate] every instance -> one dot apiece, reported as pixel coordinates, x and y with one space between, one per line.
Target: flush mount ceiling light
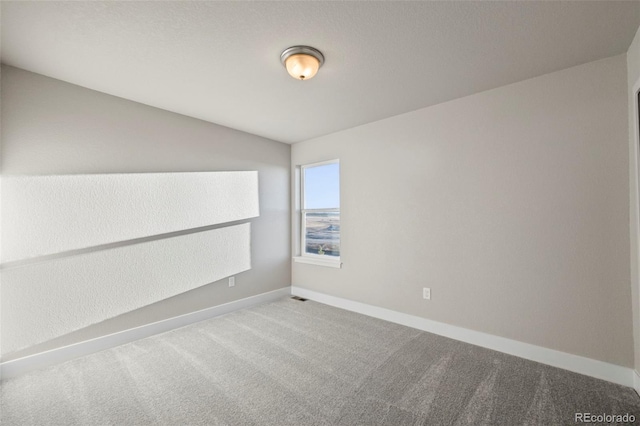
302 62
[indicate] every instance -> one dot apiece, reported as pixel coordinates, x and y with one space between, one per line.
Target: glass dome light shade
302 66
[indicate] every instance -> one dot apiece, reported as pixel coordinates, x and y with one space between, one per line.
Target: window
320 213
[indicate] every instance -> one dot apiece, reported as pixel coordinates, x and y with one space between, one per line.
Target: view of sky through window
322 187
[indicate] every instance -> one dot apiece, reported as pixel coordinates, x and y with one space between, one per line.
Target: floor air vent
298 298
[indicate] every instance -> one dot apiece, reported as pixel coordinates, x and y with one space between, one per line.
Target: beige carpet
304 363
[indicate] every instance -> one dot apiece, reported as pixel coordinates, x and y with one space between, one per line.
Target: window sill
331 263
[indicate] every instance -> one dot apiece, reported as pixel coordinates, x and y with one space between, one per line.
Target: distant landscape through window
321 209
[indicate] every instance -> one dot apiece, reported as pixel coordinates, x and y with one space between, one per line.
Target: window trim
304 257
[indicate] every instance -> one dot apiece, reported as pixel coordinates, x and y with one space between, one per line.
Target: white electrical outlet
232 281
426 293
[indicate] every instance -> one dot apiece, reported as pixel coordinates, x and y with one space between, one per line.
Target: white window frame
304 257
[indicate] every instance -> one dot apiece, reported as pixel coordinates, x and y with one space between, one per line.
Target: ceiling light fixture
302 62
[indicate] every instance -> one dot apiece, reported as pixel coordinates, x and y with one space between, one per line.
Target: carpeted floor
304 363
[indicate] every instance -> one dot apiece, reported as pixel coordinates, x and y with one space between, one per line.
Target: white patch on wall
45 300
43 215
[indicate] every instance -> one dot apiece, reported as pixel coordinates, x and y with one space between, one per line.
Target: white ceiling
219 61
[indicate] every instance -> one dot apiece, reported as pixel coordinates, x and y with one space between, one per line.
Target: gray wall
512 205
633 84
52 127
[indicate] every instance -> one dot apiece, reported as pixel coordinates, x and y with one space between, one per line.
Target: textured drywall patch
51 214
49 299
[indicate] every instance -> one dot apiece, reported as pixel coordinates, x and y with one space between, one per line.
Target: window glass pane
322 187
323 233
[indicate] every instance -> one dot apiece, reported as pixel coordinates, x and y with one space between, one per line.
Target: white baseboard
636 381
578 364
23 365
